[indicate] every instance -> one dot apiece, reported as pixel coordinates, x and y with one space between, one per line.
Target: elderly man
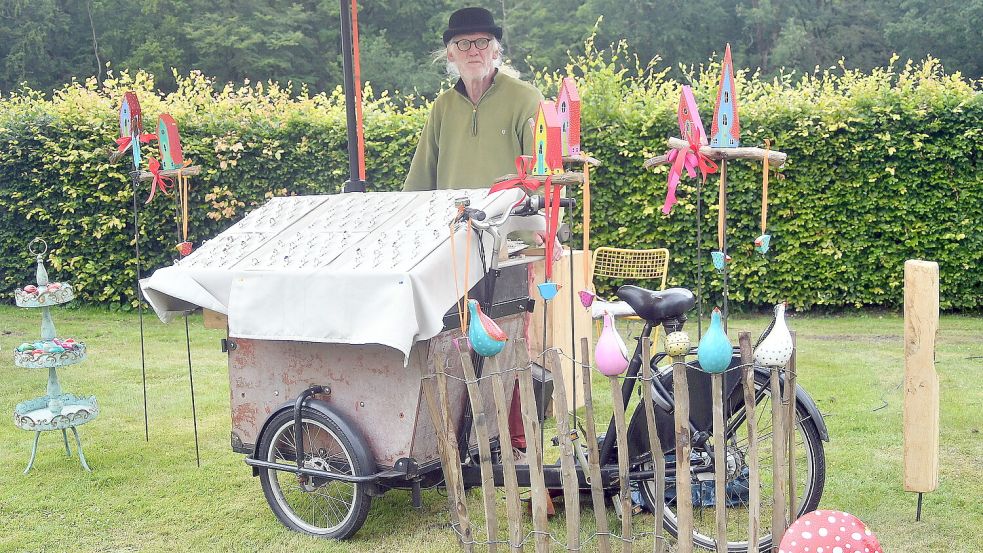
476 129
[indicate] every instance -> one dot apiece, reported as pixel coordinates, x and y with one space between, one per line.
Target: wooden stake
754 476
624 495
512 503
684 493
921 381
568 465
488 492
453 470
430 395
779 468
655 447
596 492
719 461
534 451
791 423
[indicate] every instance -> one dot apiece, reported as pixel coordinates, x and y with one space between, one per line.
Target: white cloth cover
372 268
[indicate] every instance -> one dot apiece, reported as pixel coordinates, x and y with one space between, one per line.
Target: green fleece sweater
467 146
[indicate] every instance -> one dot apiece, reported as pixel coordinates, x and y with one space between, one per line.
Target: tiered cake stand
56 410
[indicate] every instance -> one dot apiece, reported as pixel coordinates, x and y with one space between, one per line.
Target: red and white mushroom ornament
829 532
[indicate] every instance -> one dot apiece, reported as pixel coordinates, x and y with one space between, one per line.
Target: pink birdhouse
689 118
725 132
568 108
547 141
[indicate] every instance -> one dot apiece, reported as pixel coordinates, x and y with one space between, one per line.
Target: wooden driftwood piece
684 494
594 466
754 475
655 446
778 450
582 159
488 491
775 157
791 421
512 504
187 171
568 469
567 178
534 450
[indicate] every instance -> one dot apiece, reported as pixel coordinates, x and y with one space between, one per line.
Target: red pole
357 66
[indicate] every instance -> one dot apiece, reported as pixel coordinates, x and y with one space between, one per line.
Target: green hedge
883 167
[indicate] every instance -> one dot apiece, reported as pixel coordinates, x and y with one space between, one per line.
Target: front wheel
810 466
320 507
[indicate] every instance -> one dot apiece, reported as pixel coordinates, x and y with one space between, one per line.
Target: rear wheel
321 507
810 476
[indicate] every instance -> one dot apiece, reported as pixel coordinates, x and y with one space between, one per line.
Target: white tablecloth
346 268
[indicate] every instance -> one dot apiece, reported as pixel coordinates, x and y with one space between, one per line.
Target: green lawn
150 496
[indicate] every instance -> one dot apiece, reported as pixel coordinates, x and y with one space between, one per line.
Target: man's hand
557 248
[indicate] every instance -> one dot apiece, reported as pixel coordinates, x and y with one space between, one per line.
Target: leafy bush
883 167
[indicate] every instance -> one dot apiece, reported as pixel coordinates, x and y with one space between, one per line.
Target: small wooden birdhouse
568 108
689 118
726 129
130 123
547 141
169 143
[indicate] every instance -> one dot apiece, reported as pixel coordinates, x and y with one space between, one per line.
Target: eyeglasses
465 44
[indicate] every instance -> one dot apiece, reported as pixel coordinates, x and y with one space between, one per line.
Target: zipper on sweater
474 121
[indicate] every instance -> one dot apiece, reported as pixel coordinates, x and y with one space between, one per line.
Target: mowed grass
150 495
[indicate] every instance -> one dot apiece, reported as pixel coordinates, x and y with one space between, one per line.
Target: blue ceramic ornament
548 290
715 350
485 336
761 243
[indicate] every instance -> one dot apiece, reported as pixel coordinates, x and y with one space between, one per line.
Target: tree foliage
46 43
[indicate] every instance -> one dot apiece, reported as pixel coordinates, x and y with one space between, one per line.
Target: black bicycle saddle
657 306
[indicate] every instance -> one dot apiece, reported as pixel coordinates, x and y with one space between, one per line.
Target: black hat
471 20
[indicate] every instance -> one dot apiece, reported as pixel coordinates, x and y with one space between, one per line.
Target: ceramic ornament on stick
690 125
130 126
774 347
610 353
725 131
172 159
485 336
691 158
762 242
829 531
715 350
547 140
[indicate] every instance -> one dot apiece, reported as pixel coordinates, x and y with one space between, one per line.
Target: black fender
360 447
638 441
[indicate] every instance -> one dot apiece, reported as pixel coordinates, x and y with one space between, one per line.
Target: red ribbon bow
159 180
690 160
523 166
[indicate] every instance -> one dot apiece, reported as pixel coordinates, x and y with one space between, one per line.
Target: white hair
440 56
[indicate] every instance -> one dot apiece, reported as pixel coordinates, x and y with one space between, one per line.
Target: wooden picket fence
500 373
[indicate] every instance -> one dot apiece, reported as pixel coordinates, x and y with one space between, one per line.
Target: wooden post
921 382
677 345
571 488
512 503
655 447
534 451
488 492
719 461
594 466
754 476
453 469
778 466
792 422
621 433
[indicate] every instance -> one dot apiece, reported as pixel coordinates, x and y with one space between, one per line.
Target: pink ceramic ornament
610 354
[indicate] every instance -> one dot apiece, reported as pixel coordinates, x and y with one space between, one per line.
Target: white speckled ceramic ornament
774 347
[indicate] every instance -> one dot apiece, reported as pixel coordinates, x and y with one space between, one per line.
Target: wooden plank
430 396
455 477
791 421
488 492
684 495
778 466
594 466
719 461
214 319
754 474
921 389
655 447
534 449
568 470
621 433
512 503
